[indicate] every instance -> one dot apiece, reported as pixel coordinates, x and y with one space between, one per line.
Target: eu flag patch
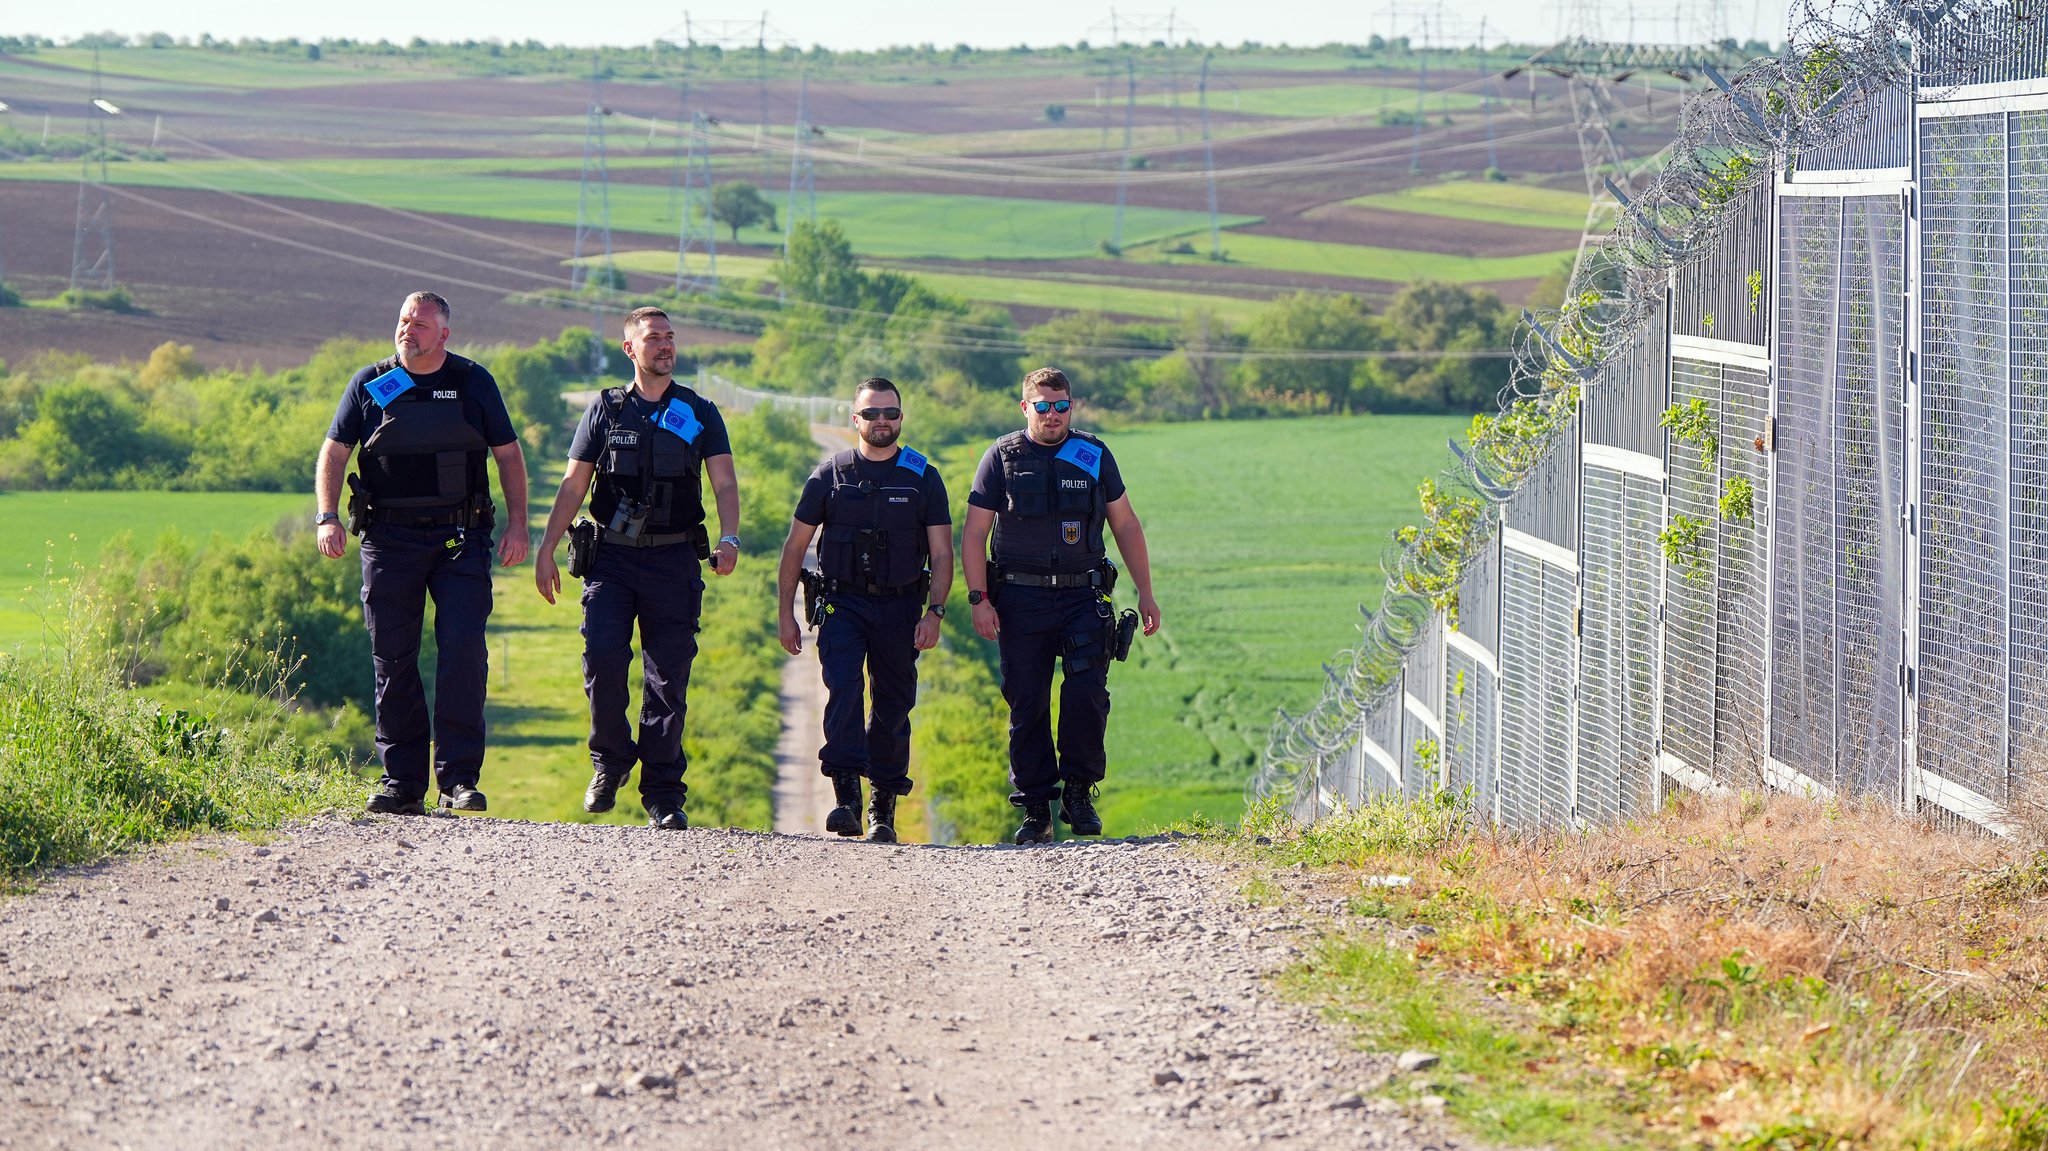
1083 455
681 420
389 386
911 460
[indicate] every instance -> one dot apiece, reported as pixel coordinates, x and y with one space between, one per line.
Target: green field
199 68
48 532
1265 539
904 225
1517 204
1065 295
1314 101
1356 261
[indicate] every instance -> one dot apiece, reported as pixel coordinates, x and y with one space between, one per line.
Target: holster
1126 631
583 540
814 595
701 540
358 506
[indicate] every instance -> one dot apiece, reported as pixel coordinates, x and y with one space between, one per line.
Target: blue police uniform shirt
483 405
988 493
588 445
810 506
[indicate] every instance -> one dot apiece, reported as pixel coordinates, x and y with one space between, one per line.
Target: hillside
327 188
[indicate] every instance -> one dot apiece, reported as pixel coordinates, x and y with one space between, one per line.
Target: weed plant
1739 972
88 767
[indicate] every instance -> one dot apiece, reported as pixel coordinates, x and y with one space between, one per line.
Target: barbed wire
1842 59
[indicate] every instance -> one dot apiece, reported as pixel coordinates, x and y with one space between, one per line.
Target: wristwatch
975 595
937 609
325 518
733 540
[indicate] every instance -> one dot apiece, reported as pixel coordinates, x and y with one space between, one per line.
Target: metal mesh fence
2027 196
1422 732
1773 484
1739 605
1870 486
1803 696
1963 452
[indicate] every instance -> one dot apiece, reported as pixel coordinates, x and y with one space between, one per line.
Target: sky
842 25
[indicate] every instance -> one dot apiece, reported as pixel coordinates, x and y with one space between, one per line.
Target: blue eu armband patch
911 460
681 420
389 386
1083 455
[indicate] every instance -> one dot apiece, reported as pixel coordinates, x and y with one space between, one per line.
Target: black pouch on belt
358 506
1126 631
583 538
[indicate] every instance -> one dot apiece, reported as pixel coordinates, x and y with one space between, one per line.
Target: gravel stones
491 984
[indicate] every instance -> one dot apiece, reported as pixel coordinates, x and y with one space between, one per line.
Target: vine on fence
1738 499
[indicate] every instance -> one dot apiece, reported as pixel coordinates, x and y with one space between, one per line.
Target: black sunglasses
1044 406
880 413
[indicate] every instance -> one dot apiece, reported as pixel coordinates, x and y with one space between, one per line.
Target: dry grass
1758 971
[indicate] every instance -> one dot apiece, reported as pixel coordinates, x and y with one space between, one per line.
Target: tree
1309 322
741 205
1432 317
820 268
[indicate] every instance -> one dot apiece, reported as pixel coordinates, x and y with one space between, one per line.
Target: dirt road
433 981
803 796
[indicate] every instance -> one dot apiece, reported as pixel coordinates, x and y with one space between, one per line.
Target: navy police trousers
1040 625
866 643
402 566
662 589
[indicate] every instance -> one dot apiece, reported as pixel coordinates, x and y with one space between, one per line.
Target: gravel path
438 981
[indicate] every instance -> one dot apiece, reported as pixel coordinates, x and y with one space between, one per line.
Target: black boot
602 794
1077 809
1037 824
845 818
882 816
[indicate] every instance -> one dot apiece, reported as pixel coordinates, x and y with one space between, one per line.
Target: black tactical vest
1053 511
875 533
649 464
424 458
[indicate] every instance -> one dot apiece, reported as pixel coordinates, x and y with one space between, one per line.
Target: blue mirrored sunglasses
1044 406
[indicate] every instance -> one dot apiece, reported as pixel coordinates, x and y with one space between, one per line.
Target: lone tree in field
740 205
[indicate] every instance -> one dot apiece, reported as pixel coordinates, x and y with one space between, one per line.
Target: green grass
48 532
1265 538
1360 262
1066 295
1312 101
1490 203
88 768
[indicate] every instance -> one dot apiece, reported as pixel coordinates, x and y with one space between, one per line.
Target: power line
92 240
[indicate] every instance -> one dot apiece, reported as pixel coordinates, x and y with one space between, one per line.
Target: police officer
886 556
426 420
1042 594
646 446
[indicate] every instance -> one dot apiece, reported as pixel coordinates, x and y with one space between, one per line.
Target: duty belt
854 587
1069 579
461 516
648 539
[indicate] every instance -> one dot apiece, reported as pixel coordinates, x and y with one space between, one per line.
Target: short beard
881 435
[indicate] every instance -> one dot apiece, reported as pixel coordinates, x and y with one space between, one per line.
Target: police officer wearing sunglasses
642 452
1040 589
885 556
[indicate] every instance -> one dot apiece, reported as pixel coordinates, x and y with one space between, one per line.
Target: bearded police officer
646 446
426 420
886 560
1042 593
